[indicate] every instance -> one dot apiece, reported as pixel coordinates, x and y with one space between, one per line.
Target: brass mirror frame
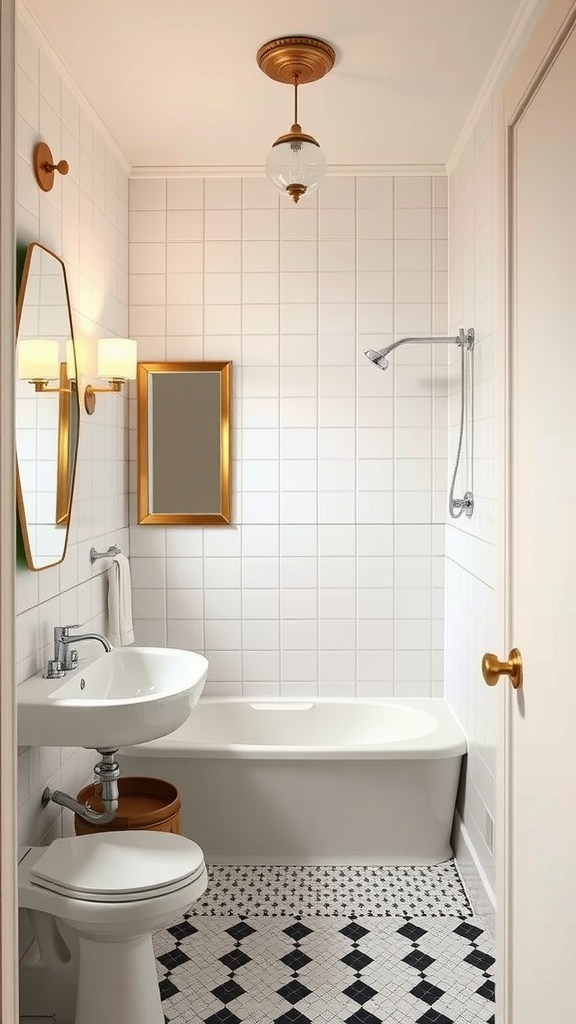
145 515
65 484
63 508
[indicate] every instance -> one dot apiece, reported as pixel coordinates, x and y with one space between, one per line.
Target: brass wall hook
44 166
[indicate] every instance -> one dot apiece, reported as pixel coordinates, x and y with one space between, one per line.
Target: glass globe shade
294 162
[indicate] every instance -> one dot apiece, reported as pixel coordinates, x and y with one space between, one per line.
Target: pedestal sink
131 695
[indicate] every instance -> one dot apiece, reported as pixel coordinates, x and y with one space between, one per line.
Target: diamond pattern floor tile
427 966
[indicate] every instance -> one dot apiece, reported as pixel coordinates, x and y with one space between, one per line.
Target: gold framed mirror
68 424
184 443
47 408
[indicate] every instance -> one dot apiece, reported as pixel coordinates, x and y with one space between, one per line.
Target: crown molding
508 50
257 171
25 15
524 16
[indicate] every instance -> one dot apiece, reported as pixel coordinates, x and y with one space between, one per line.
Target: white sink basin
131 695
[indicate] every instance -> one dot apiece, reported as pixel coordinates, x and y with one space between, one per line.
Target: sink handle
63 630
54 670
61 642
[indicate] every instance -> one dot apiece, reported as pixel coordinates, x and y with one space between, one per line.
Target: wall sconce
296 164
39 363
116 364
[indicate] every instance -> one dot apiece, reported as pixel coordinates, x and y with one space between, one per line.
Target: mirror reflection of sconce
39 363
47 408
116 364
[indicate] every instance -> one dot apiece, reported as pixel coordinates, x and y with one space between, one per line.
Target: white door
540 896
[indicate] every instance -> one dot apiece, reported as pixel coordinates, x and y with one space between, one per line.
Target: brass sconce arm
42 387
91 392
116 364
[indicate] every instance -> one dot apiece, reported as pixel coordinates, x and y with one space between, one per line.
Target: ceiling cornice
37 32
258 171
523 20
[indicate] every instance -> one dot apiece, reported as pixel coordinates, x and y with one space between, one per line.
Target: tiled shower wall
330 580
84 219
471 608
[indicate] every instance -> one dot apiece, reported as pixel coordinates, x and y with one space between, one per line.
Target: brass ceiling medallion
296 164
303 56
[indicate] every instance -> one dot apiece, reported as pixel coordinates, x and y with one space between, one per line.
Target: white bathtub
313 781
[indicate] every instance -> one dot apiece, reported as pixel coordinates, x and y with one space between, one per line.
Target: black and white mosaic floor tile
335 891
321 970
249 953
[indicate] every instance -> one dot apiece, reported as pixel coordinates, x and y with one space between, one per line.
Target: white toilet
94 902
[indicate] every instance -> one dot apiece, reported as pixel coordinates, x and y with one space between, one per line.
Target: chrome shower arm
465 341
463 338
414 341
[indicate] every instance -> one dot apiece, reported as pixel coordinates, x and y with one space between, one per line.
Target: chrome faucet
66 656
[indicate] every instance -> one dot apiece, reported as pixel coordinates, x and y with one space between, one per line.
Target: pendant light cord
295 98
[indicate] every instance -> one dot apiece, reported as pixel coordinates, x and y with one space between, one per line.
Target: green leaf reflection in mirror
47 408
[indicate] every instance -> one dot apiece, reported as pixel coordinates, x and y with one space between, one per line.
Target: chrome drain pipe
107 773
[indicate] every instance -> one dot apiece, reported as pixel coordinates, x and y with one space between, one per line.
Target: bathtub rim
447 740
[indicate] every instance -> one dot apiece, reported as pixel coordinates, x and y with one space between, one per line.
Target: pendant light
296 164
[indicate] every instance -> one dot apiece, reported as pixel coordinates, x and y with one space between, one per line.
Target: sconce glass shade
38 359
296 165
117 358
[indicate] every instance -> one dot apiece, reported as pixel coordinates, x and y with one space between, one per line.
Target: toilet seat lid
115 866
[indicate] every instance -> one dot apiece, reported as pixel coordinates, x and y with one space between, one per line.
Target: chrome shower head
465 339
378 358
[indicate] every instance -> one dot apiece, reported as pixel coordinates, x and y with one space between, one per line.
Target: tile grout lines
413 967
332 891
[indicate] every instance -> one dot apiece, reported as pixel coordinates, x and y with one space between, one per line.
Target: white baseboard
474 878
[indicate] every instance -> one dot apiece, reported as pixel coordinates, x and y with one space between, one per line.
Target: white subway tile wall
84 219
330 580
471 622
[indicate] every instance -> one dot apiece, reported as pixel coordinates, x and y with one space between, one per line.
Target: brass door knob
492 669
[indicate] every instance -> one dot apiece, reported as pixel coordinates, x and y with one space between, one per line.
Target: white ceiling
176 82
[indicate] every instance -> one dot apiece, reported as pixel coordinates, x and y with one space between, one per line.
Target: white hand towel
120 625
